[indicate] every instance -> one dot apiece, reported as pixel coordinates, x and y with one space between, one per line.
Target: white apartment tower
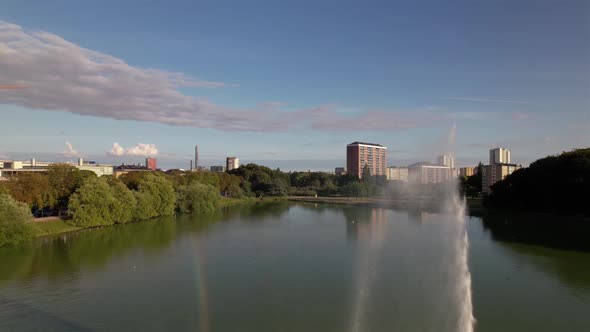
499 156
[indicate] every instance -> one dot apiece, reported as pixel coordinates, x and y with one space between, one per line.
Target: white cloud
140 149
70 151
61 76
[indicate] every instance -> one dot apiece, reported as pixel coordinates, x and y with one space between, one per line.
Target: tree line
559 183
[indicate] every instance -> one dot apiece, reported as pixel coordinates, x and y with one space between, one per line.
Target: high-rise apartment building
446 160
151 164
359 154
232 163
499 156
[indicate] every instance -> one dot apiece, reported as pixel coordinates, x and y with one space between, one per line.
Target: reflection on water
294 267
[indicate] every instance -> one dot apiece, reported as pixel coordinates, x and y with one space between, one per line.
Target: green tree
31 188
157 191
13 218
124 210
65 179
197 198
93 204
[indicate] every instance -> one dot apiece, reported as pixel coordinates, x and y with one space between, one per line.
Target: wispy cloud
70 151
486 100
140 149
521 116
62 76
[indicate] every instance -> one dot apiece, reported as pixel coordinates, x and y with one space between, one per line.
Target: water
300 267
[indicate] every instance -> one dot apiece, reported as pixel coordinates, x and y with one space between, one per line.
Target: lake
298 267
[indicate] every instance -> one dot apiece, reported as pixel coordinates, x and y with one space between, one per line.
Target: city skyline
288 95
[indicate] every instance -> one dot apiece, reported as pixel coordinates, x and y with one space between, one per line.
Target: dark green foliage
13 218
262 180
553 184
197 198
64 180
123 212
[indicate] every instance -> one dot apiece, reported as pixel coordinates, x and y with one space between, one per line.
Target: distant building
124 169
151 163
196 157
232 163
359 154
499 156
446 160
10 168
494 173
397 173
467 171
339 171
427 173
217 169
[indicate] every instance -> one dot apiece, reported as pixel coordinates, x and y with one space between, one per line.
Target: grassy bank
55 226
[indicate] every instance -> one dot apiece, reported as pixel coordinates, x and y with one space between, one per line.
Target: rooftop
363 143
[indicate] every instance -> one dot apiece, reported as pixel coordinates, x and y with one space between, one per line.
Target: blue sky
290 84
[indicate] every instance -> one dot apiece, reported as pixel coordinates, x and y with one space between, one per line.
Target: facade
494 173
151 163
232 163
427 173
397 174
467 171
499 156
446 160
339 171
10 168
217 169
359 154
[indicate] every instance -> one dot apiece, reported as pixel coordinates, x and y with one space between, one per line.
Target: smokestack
196 157
191 165
33 162
80 162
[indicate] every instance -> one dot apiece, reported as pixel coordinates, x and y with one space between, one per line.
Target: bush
13 218
197 198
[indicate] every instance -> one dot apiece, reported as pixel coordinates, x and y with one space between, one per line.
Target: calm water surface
292 267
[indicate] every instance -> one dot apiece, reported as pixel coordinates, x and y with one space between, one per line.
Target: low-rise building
467 171
339 171
397 173
217 169
427 173
124 169
494 173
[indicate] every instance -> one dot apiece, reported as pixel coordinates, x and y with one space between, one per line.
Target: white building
426 173
499 156
232 163
397 173
446 160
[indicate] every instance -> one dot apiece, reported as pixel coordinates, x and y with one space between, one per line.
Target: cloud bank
62 76
141 149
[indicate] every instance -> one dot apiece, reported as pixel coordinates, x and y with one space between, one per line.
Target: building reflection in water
365 223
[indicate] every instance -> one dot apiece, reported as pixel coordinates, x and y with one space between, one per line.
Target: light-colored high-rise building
499 156
446 160
359 154
232 163
397 173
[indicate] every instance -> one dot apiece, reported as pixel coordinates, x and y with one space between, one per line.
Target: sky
290 84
